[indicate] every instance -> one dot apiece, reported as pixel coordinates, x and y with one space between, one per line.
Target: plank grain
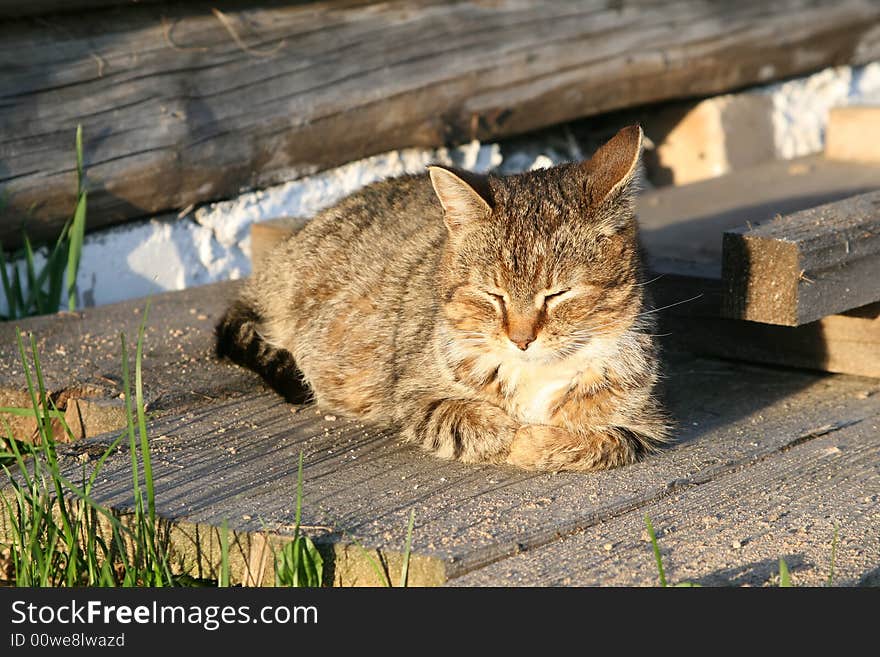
733 530
179 106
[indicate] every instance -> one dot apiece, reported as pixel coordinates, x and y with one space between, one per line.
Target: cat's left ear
610 176
464 195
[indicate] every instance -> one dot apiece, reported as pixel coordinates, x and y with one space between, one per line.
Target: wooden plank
734 529
682 230
847 343
803 266
182 107
853 134
80 354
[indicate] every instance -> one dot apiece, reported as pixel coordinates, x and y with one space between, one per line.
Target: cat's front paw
531 445
540 447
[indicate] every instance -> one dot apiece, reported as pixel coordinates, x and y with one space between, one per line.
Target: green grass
60 536
45 288
299 563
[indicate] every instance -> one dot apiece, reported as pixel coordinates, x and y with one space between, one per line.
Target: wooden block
853 134
709 138
265 235
799 268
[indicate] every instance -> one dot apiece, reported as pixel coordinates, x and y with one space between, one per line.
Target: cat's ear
610 173
465 196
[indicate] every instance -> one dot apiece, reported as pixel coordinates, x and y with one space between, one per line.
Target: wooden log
183 106
801 267
853 134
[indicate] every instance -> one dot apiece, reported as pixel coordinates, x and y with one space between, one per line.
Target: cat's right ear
465 196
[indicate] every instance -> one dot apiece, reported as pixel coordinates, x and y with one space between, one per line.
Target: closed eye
552 296
497 297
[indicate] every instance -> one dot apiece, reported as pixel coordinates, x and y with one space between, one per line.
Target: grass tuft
657 557
299 563
45 286
58 534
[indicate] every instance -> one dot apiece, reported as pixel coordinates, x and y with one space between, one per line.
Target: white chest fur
533 390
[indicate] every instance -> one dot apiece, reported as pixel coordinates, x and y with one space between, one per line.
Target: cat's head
540 265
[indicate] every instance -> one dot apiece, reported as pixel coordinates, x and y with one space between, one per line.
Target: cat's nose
524 342
521 330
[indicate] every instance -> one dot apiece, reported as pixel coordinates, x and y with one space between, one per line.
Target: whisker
656 278
677 303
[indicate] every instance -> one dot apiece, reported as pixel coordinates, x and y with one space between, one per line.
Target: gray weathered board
734 530
801 267
181 105
225 448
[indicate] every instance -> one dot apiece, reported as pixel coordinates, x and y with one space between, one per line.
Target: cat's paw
531 446
539 447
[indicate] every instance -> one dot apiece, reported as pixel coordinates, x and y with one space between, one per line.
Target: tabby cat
490 319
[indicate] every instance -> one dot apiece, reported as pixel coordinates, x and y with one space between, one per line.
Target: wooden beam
801 267
853 134
847 343
181 105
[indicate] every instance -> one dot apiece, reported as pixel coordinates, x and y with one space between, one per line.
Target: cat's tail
239 340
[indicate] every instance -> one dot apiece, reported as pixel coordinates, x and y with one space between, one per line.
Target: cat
490 319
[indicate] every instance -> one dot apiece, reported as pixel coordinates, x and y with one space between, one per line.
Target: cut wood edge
801 267
853 134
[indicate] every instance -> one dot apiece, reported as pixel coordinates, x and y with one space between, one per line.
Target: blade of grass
654 545
8 293
78 227
35 297
141 417
784 575
29 412
223 579
833 557
18 292
404 570
74 249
